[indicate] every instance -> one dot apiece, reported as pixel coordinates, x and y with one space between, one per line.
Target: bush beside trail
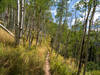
19 61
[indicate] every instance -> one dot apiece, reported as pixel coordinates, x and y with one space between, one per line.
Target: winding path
47 66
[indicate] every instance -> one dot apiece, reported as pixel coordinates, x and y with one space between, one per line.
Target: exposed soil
47 66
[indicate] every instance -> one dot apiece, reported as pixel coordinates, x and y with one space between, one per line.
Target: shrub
92 66
58 66
96 72
20 62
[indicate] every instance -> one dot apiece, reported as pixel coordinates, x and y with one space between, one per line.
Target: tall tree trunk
83 41
38 28
30 35
22 18
8 16
88 39
17 28
58 33
37 37
11 20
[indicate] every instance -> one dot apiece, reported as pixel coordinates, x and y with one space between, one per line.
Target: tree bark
58 33
22 18
17 28
88 39
83 42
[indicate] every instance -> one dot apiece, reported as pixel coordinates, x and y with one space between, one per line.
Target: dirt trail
47 66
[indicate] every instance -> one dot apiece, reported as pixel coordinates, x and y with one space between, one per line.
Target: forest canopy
50 37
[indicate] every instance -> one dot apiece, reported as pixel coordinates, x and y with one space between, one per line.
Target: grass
58 65
24 61
20 61
61 66
5 37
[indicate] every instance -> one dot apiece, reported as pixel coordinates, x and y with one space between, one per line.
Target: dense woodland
49 37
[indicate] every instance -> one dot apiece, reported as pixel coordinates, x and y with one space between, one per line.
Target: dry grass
5 37
42 50
71 64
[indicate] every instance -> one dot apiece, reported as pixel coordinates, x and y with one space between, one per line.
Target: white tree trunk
17 28
18 13
22 18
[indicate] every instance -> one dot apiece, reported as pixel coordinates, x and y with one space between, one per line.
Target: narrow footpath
47 66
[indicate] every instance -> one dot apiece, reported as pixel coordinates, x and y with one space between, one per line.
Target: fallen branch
7 30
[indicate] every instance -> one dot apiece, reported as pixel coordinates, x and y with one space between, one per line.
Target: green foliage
92 66
58 66
51 28
74 43
96 72
2 5
5 3
20 62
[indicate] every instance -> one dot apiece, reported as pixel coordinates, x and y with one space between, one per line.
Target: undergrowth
5 37
58 65
20 61
61 66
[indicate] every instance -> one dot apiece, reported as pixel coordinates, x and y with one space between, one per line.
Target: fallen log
3 27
